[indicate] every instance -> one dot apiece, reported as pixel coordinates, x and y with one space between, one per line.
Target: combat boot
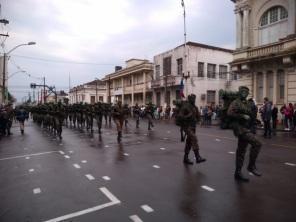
253 170
198 158
186 159
240 177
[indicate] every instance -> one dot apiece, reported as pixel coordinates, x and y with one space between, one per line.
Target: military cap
243 88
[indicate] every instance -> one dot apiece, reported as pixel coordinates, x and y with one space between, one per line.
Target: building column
246 27
238 29
264 85
275 86
291 17
133 101
144 90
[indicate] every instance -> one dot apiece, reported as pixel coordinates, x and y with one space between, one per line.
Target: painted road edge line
207 188
28 155
290 164
135 218
147 208
105 191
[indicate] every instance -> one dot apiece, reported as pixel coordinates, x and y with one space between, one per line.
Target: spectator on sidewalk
266 112
274 118
294 117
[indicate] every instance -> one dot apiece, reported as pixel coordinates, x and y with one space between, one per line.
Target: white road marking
37 191
27 158
71 151
67 157
28 155
162 148
135 218
61 152
76 166
290 164
156 166
126 154
106 178
165 138
147 208
61 144
31 170
207 188
83 161
107 146
231 152
105 191
218 140
89 176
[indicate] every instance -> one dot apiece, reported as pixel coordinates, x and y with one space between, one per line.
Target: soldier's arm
234 111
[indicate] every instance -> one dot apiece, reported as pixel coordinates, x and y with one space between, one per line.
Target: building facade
207 68
60 97
91 92
265 53
131 84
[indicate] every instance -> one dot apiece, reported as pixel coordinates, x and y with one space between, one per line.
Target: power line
62 61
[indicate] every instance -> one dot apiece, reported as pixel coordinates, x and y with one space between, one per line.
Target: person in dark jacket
274 116
21 116
266 112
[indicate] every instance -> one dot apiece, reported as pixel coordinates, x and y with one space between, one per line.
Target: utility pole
4 78
44 96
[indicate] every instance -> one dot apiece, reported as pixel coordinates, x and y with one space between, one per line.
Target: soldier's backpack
179 119
228 97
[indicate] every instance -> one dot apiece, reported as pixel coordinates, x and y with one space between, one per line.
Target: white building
132 84
208 69
90 92
266 48
60 97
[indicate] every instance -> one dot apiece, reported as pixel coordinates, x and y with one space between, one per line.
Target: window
270 85
211 97
281 85
273 15
201 69
180 66
101 98
264 19
157 71
167 65
211 71
260 87
283 13
222 72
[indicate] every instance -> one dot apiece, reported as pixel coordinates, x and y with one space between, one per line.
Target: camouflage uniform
149 110
137 112
118 117
99 115
189 117
240 113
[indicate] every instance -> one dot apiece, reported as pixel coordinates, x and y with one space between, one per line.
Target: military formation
237 114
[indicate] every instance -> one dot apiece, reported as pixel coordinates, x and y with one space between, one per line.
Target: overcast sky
87 38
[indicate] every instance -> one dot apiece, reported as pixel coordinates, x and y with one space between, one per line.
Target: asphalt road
91 178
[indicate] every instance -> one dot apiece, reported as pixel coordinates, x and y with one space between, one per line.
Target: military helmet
243 88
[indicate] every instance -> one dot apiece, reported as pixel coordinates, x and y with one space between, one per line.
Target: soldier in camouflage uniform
240 113
189 116
137 113
99 115
149 112
118 117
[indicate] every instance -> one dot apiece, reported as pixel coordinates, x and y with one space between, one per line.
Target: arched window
273 15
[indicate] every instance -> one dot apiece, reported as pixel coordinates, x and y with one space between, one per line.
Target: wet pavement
91 178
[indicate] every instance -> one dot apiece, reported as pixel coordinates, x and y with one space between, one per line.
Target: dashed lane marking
31 170
107 146
36 190
67 157
83 161
61 152
290 164
147 208
89 176
135 218
105 191
106 178
76 166
165 138
207 188
218 140
28 155
126 154
162 148
156 166
231 152
71 151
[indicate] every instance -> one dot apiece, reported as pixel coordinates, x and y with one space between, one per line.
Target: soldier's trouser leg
193 141
187 149
255 149
137 120
240 153
182 134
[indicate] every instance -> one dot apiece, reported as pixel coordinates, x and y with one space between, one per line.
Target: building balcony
283 48
166 81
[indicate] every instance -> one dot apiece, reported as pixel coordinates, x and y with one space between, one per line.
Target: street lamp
4 59
12 74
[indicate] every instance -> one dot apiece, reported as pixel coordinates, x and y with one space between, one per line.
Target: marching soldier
137 113
118 117
99 115
189 116
149 110
240 113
